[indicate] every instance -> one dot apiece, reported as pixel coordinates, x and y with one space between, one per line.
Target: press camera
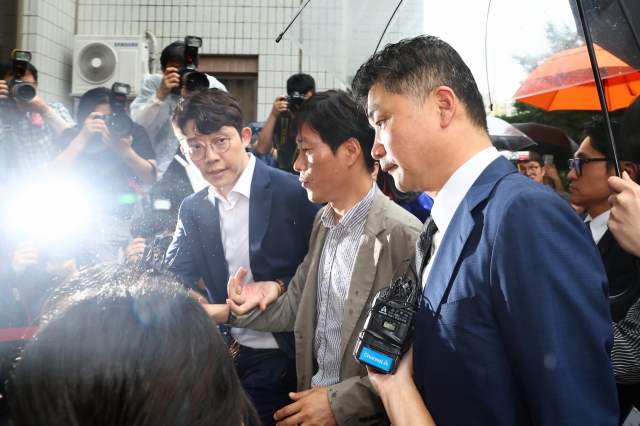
190 77
19 89
295 101
119 123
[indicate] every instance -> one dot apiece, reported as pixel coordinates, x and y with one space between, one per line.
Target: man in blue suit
513 327
252 217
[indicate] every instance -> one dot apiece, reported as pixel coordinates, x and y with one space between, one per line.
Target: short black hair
535 157
596 130
211 109
6 67
90 100
336 118
415 67
121 349
174 53
301 83
629 150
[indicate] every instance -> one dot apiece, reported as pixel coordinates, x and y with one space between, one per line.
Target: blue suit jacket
524 335
280 221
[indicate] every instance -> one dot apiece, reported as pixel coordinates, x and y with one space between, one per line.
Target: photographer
154 103
36 125
276 132
114 167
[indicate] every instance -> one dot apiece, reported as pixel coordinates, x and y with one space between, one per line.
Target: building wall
228 27
47 32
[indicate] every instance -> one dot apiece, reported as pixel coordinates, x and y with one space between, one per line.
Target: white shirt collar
242 186
598 225
453 192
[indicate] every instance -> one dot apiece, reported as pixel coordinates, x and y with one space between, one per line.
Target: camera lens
196 80
120 125
23 91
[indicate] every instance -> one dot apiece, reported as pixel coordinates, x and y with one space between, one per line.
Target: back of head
336 118
597 131
301 83
6 67
122 351
174 53
89 101
415 67
211 109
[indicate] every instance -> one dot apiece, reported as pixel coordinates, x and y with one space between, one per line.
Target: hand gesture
119 145
26 254
4 90
624 220
134 250
93 124
279 105
170 80
245 297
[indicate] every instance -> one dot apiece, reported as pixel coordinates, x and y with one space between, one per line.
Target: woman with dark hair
123 351
114 169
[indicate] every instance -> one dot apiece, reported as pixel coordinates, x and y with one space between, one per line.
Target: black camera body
119 123
388 330
295 101
19 89
190 77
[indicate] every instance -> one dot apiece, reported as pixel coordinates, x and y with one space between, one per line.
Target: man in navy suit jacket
513 327
252 217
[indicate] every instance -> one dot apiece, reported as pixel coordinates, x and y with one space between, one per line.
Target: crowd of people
528 311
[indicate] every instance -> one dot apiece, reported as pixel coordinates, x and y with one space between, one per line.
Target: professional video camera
119 123
190 77
295 101
388 330
19 89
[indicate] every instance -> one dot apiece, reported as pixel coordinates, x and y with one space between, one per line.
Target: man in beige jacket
357 241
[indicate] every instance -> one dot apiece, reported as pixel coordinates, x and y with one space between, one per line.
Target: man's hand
551 171
279 105
65 270
4 90
245 297
624 221
92 125
311 408
120 146
134 250
170 80
34 105
26 254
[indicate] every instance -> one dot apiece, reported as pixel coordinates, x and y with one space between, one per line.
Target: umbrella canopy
565 82
505 136
547 134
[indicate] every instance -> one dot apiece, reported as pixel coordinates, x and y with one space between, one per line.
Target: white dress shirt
598 226
451 195
234 231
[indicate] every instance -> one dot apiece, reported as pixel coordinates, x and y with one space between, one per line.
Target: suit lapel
211 240
364 269
259 217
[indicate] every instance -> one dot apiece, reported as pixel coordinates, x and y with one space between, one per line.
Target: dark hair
128 351
301 83
535 157
6 67
174 53
415 67
629 149
336 118
90 100
211 109
596 130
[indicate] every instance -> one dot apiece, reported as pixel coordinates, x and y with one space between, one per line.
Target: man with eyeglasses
592 166
251 216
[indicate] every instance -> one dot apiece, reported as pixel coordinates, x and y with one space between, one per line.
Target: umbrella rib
387 27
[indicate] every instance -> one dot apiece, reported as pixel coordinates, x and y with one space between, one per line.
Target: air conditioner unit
103 60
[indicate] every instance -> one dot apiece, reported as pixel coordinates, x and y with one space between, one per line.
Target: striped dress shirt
334 275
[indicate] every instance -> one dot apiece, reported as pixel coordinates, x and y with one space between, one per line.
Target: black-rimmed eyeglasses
577 163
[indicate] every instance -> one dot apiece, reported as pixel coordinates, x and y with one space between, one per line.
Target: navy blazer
523 337
618 265
280 222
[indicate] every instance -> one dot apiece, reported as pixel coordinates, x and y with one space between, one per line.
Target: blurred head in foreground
127 350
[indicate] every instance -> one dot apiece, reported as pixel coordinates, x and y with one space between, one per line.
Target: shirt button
333 241
320 371
326 276
324 309
348 230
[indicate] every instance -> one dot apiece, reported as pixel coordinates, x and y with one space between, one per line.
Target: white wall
229 27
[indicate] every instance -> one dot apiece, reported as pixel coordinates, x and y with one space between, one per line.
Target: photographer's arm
70 154
265 138
147 109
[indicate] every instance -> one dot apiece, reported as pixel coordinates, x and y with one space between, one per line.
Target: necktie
423 245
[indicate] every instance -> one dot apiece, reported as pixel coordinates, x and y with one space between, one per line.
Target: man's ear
245 135
631 168
446 104
352 150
